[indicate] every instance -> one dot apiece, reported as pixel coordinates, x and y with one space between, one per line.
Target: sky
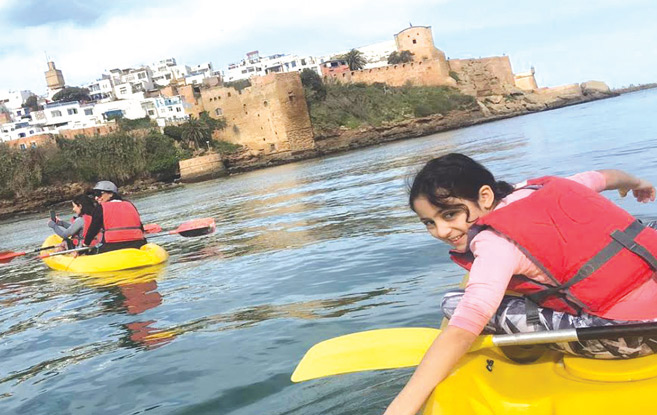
566 41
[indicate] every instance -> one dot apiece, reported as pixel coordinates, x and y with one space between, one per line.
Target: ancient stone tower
419 41
54 77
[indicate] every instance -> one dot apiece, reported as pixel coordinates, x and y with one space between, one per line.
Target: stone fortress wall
269 116
430 67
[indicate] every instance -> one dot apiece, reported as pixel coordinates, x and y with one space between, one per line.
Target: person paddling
117 218
576 259
73 233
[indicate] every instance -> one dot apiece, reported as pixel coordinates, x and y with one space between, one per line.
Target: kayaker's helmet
106 186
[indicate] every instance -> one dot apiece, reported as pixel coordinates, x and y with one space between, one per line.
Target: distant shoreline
341 140
634 88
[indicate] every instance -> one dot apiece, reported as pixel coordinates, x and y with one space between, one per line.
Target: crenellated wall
270 116
427 72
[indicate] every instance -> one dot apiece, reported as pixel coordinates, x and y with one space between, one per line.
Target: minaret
54 77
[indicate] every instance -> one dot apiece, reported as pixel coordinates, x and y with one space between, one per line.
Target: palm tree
354 59
196 131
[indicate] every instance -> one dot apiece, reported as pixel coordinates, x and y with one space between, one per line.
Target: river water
302 253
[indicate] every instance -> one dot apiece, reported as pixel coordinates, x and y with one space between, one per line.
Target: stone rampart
420 73
202 168
102 129
270 116
485 76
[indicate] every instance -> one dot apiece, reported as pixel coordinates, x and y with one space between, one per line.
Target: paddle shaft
581 334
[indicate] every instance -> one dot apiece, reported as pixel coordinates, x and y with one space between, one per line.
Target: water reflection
303 310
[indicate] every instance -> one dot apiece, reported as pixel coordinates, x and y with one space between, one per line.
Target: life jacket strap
627 241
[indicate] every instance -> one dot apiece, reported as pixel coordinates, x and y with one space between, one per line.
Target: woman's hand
644 192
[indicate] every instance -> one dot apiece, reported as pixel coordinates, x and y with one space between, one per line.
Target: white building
165 110
254 65
102 89
166 71
14 99
375 55
16 130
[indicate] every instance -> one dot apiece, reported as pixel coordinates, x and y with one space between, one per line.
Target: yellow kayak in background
147 255
487 382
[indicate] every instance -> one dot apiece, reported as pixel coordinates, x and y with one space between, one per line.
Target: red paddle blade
7 256
152 228
196 227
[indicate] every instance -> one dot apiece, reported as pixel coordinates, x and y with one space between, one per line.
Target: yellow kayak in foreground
519 378
147 255
487 382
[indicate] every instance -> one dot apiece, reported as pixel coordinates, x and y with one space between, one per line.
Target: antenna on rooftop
46 54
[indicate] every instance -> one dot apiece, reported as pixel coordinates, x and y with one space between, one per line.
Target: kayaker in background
117 218
73 233
576 258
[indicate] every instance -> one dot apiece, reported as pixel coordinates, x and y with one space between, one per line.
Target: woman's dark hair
454 175
86 203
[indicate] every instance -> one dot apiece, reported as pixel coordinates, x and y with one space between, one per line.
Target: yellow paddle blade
366 350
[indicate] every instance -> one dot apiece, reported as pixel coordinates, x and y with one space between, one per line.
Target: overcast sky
565 40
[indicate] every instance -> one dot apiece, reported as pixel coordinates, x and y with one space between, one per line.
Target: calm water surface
303 252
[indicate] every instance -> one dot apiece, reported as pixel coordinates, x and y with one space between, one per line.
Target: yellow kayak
147 255
487 382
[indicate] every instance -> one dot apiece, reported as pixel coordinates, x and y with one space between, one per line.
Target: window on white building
33 144
56 113
23 147
72 111
123 90
151 112
88 111
178 109
21 135
141 75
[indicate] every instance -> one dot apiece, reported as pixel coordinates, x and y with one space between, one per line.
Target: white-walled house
165 110
15 130
254 65
102 89
14 99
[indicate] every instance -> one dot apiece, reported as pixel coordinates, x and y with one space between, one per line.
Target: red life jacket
77 240
593 251
121 222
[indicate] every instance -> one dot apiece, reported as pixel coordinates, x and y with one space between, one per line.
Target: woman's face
451 225
104 197
76 208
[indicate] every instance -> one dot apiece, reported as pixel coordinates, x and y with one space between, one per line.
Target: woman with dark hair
573 256
74 232
117 219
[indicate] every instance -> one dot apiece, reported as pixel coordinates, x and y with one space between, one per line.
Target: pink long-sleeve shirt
497 259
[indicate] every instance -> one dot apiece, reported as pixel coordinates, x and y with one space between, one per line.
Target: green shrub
357 105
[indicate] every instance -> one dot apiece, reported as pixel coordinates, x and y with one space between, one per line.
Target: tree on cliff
400 57
313 86
354 59
72 93
195 131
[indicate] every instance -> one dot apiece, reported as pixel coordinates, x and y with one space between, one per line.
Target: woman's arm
444 353
642 190
75 228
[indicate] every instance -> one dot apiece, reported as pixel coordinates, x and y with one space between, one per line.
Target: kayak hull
487 383
122 259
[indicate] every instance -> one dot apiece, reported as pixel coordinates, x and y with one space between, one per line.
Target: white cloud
202 30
